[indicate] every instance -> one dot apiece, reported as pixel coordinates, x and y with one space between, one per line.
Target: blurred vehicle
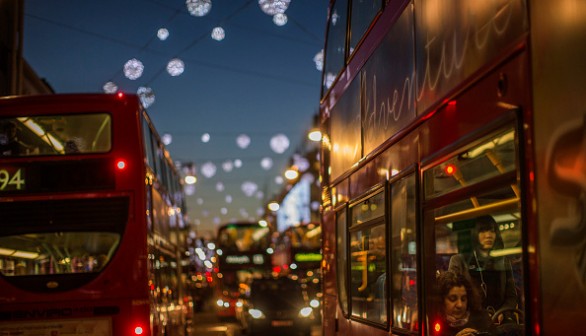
276 305
241 249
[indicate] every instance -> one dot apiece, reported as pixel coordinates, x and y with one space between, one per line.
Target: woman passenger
461 313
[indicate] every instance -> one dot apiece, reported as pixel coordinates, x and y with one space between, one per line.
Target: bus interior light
138 330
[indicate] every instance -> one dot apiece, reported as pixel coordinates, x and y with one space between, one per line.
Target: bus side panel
454 39
558 33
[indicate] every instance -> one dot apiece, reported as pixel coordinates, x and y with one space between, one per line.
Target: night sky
261 80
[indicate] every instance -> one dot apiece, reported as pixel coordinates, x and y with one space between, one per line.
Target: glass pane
335 52
363 12
490 158
55 135
368 273
56 252
369 209
485 248
404 254
341 250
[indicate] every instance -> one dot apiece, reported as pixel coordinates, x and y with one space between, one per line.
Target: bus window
478 229
368 259
341 261
362 14
335 53
55 135
404 254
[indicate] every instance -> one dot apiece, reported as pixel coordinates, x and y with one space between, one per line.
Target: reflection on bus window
404 254
56 252
368 280
55 135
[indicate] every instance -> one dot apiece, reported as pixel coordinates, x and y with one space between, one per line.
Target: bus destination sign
12 178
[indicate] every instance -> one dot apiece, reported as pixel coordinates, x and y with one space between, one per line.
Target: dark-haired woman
460 308
493 276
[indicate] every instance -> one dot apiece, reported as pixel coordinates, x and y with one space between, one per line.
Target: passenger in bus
459 305
493 276
10 145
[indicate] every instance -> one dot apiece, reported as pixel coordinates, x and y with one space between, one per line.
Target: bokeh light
167 139
249 188
279 143
272 7
318 59
162 34
198 7
218 33
280 19
110 87
243 141
266 163
205 138
146 96
208 169
133 69
220 187
227 166
175 67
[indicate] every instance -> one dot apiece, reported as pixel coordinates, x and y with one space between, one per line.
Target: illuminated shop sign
306 257
257 259
233 259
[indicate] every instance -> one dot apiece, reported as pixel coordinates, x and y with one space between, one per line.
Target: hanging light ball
318 59
237 163
162 34
272 7
279 143
220 187
208 169
279 180
175 67
218 33
228 199
198 7
110 87
205 138
228 166
243 141
249 188
133 69
280 19
146 95
167 139
266 163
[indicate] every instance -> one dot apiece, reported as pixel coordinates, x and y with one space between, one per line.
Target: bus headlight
256 313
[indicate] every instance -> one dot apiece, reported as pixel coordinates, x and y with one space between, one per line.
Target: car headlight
256 313
305 312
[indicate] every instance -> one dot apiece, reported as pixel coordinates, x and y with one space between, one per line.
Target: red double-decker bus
241 253
454 147
91 210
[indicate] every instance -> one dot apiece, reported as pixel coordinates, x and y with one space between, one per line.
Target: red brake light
120 94
121 164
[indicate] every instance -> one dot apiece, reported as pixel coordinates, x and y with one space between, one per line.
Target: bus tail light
121 164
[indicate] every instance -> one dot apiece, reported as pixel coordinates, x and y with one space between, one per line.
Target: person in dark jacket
461 313
493 276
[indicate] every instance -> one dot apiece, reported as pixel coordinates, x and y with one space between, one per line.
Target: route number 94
12 181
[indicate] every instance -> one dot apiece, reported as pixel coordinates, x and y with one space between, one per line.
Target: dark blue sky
260 80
